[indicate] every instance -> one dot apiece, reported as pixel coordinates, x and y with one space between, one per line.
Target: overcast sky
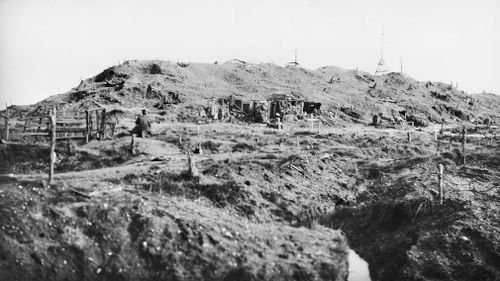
46 46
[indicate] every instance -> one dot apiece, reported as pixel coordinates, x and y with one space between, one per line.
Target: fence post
464 137
440 179
87 126
52 144
409 136
192 170
96 123
91 124
132 145
103 123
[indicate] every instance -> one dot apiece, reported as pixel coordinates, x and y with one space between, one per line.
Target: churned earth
261 204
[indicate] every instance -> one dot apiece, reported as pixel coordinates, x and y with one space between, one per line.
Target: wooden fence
91 125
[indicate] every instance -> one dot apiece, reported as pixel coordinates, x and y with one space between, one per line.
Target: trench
358 268
381 232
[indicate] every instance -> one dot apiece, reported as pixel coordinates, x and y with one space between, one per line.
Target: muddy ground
267 205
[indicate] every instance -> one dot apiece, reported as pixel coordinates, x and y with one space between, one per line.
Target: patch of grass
23 158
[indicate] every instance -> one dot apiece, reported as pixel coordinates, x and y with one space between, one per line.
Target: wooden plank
34 134
72 130
70 119
71 125
70 135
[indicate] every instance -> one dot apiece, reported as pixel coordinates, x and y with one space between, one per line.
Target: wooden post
409 136
192 170
68 145
464 136
132 145
52 144
440 179
103 123
6 122
97 123
91 124
87 123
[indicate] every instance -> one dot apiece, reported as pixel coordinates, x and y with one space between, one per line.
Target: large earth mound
350 95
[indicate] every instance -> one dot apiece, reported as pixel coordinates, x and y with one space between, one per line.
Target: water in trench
358 268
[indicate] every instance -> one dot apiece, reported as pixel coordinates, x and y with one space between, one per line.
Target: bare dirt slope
260 210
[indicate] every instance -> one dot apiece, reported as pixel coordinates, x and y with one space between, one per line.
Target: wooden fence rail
92 125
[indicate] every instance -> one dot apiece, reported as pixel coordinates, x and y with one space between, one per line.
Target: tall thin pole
401 61
381 45
295 56
52 144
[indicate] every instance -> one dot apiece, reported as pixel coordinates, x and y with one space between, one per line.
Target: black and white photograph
263 140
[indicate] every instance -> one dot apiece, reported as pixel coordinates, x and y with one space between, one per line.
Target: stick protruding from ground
440 180
192 170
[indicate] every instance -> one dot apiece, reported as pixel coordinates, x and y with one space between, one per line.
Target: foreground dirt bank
130 235
262 208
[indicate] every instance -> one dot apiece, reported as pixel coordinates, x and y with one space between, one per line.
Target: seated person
142 125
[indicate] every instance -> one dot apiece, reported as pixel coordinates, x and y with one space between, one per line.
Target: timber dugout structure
260 111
